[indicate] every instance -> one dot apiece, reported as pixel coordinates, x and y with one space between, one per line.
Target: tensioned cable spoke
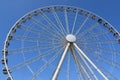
33 39
95 35
22 46
59 22
29 49
110 76
101 42
97 69
30 39
37 32
88 30
110 51
81 68
84 22
45 27
90 51
32 60
66 20
52 25
40 52
46 64
101 67
100 33
30 69
105 50
30 29
74 22
42 26
106 60
25 49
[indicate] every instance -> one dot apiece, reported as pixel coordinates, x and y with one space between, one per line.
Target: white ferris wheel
62 43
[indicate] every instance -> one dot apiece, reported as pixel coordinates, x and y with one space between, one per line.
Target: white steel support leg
88 67
55 74
97 69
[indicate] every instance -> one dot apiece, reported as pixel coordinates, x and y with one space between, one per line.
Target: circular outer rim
14 26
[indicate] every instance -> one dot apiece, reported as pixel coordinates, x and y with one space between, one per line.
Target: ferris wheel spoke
29 29
75 19
38 32
46 64
25 49
29 49
59 22
84 22
51 43
30 69
32 60
110 62
53 25
104 50
40 24
95 35
109 75
106 60
56 32
101 42
66 20
30 39
33 39
88 30
81 69
100 33
97 69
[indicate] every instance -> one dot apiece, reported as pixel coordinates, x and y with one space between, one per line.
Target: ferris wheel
62 43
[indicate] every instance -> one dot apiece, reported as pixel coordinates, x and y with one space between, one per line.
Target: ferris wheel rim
14 26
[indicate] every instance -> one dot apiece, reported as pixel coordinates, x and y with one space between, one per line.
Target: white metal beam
55 74
97 69
88 67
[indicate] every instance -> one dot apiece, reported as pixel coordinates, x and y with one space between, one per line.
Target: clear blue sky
12 10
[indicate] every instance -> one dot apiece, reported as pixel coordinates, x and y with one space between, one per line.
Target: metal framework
62 43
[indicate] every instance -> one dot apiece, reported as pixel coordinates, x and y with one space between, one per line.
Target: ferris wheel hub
71 38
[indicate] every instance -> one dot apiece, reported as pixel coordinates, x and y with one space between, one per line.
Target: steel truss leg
84 55
55 74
